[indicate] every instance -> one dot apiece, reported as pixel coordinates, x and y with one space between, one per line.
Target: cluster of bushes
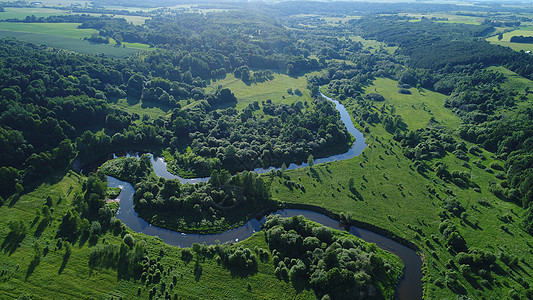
454 240
331 264
128 259
427 143
239 260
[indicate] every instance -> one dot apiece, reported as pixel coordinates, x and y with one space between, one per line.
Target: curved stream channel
410 286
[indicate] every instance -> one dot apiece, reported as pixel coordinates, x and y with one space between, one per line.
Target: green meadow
446 18
373 45
68 43
23 12
395 197
505 41
416 108
69 30
275 89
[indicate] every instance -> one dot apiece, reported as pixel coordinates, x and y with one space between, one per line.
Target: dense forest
445 111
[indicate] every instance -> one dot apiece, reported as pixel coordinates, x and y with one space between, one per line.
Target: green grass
275 90
340 20
372 45
23 12
69 30
71 44
396 198
154 111
505 41
136 20
74 281
77 281
446 18
416 109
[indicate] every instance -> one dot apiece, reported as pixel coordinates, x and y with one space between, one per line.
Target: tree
129 240
310 160
245 75
290 69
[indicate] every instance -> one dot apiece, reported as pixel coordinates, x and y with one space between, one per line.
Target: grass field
340 20
136 20
23 12
419 107
71 44
275 90
69 30
505 41
373 45
446 18
152 110
397 198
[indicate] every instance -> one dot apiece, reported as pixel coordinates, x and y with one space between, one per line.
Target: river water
410 286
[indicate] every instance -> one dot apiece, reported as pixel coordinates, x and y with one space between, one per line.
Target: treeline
258 42
333 265
522 39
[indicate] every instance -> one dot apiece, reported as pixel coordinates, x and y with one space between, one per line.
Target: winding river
410 286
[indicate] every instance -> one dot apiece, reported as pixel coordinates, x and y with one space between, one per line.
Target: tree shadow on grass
41 227
315 174
13 200
66 257
198 270
12 242
34 263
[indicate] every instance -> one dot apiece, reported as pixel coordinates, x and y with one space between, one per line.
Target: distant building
528 51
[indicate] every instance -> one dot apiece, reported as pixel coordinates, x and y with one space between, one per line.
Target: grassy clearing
395 197
372 45
505 41
446 18
417 108
275 90
23 12
514 81
340 20
71 44
69 30
154 111
136 20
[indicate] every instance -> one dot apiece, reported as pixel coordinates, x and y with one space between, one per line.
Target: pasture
446 18
275 89
70 44
505 41
373 45
23 12
69 30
